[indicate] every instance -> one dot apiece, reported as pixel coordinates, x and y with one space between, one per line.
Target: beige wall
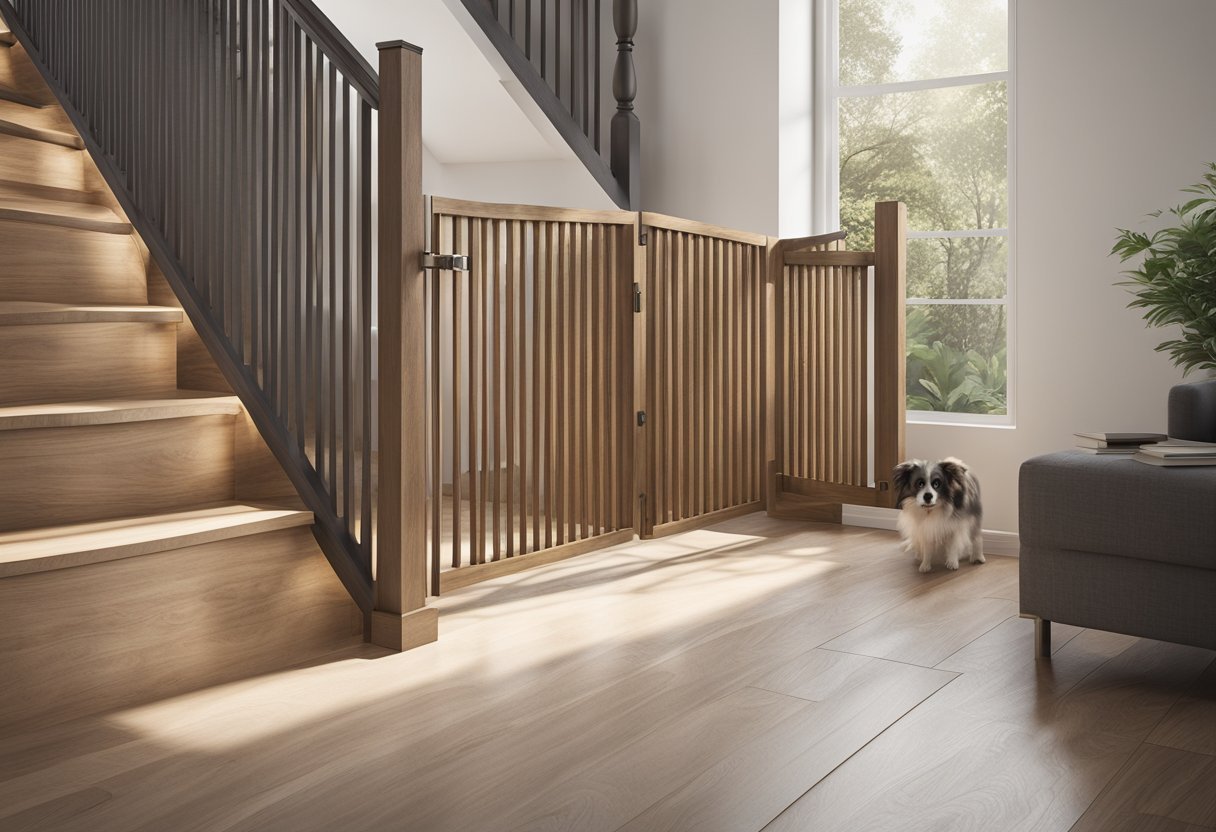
708 102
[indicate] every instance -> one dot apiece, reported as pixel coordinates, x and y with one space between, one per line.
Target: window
916 107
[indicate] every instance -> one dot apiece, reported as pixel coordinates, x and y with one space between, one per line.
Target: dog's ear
901 478
954 471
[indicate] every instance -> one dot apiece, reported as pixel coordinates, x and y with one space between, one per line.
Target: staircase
149 541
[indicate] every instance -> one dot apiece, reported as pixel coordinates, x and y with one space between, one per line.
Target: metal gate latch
445 262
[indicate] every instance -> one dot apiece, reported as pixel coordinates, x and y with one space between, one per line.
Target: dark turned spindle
625 154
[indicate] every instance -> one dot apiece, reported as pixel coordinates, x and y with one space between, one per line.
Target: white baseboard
995 543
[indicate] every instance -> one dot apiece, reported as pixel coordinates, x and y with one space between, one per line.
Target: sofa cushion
1117 506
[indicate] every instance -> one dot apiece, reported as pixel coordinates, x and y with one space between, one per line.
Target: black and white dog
940 511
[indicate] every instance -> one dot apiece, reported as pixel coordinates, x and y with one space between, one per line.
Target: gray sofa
1114 544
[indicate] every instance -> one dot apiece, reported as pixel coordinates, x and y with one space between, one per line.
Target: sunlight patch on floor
586 602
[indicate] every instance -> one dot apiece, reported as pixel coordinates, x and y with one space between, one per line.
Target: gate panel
703 345
839 345
530 387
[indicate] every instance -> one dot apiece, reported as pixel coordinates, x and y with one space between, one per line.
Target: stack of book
1177 452
1116 443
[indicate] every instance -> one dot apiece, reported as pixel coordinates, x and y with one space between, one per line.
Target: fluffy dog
940 511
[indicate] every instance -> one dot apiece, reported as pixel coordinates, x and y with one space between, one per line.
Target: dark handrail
237 135
348 60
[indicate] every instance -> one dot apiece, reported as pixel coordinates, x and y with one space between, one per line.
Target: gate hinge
445 262
643 238
641 418
637 297
882 485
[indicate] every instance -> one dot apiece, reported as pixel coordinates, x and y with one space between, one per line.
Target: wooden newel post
401 619
890 362
626 144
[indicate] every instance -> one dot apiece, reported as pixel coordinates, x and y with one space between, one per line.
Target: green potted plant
1175 283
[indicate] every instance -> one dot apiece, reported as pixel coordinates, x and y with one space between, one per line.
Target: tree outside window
923 117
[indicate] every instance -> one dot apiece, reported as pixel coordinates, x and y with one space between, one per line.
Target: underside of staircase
149 542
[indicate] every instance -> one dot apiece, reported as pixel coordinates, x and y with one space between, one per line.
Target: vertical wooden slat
512 359
552 357
435 297
599 403
476 447
494 384
539 263
561 392
458 448
578 380
655 307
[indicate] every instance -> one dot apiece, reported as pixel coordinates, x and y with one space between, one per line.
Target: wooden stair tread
82 215
7 38
177 404
20 312
41 134
61 547
16 97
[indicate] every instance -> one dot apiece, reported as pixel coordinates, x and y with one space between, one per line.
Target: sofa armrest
1192 410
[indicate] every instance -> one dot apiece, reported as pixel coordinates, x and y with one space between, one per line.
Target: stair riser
51 118
74 362
62 265
40 163
96 638
55 476
17 72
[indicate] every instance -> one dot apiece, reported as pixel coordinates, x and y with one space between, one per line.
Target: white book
1179 448
1174 461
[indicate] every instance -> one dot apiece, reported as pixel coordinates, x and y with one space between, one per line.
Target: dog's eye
937 483
920 483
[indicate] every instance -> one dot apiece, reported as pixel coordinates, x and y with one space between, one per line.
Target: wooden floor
757 675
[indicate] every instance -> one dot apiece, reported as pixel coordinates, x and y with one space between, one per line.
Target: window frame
826 91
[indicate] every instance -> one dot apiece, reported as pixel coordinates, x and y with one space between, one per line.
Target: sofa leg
1042 638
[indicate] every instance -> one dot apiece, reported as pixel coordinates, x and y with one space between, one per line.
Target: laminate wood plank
1065 727
60 362
50 264
610 791
1157 784
1191 724
850 700
926 629
55 812
527 213
62 547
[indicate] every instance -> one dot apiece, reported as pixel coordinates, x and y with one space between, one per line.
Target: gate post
890 362
401 619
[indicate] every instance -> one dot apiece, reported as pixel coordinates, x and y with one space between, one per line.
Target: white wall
1114 115
708 102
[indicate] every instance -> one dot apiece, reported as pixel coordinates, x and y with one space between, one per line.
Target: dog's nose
928 498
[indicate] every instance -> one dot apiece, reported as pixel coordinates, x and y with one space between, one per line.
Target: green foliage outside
1175 283
943 152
